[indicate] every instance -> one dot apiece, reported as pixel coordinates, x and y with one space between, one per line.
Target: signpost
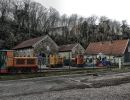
40 60
48 52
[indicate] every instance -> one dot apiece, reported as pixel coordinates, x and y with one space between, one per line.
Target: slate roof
68 47
116 47
28 43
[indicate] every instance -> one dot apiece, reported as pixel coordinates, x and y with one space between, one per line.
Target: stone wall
24 53
46 46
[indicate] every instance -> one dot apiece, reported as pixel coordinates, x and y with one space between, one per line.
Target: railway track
64 70
46 70
69 69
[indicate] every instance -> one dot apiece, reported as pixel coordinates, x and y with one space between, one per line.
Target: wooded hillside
24 19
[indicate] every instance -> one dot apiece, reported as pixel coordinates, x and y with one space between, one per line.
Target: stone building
33 47
71 50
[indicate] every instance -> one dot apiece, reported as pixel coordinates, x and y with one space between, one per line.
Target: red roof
116 47
27 43
68 47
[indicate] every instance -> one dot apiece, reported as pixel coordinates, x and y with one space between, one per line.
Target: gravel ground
66 88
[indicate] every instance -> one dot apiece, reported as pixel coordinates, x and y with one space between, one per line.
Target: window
20 61
30 61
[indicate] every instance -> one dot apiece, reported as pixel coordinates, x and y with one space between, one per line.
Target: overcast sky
113 9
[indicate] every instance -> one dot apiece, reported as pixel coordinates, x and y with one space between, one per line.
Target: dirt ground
110 86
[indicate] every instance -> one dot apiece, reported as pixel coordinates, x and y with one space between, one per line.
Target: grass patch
65 72
20 76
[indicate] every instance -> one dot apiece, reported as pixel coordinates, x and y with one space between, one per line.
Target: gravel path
65 88
121 92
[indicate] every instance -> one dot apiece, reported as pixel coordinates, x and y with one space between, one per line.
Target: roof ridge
67 47
28 43
109 41
118 47
34 38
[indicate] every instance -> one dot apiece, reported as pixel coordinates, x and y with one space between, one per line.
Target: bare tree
4 9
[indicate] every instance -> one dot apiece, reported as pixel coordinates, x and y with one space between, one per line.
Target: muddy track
82 85
40 86
110 82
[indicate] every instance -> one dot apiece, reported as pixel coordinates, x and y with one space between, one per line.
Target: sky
113 9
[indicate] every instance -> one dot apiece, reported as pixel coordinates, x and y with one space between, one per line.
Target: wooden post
119 59
93 62
69 61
